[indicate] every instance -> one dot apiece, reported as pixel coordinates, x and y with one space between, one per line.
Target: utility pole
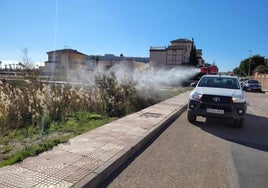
249 62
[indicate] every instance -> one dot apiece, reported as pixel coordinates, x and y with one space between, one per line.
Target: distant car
242 81
218 97
252 85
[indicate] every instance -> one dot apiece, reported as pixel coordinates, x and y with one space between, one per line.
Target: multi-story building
176 54
64 59
179 52
109 60
60 61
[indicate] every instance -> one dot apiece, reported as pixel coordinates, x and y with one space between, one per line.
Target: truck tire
191 117
239 123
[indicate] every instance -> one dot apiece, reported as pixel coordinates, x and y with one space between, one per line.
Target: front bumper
252 88
205 109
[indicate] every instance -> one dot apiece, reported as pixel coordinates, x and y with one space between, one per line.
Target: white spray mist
149 76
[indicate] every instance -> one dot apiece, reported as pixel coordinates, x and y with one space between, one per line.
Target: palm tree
21 65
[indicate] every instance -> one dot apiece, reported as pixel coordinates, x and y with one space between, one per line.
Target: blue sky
226 30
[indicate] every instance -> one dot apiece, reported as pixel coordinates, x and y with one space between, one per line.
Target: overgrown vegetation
35 116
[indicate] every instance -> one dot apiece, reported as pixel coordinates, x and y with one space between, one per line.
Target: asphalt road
210 153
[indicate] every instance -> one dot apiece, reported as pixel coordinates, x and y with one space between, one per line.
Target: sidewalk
88 159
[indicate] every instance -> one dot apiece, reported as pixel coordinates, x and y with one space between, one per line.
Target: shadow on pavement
108 180
254 134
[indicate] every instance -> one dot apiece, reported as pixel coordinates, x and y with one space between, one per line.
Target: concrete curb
104 171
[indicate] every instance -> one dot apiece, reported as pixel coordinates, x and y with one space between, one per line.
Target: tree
28 64
248 65
193 59
237 71
261 69
21 65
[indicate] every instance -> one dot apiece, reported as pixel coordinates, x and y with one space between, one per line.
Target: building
64 59
109 60
179 52
60 61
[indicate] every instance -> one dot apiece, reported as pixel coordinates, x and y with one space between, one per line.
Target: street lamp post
249 62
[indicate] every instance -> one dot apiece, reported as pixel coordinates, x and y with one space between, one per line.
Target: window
174 57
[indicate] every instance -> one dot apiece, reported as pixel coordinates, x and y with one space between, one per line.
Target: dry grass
34 116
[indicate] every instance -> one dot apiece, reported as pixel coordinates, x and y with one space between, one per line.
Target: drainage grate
150 115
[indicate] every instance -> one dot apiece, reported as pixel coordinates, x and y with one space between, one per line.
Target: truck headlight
195 96
239 99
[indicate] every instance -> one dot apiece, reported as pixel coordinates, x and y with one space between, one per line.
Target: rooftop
181 41
67 50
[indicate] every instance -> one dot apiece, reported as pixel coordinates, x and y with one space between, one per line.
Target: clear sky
226 30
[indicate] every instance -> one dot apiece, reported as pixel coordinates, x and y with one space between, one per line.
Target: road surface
210 153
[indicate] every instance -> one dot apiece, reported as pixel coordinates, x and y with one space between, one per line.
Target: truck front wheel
191 117
239 123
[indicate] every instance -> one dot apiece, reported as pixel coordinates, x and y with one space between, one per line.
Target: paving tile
103 139
53 183
88 163
145 123
170 103
120 129
32 162
83 148
42 165
72 174
124 140
83 137
111 147
61 156
98 132
117 133
14 176
106 152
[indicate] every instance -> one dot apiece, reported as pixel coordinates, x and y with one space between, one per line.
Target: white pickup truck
218 96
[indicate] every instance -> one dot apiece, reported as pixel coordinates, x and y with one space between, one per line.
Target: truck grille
226 108
220 99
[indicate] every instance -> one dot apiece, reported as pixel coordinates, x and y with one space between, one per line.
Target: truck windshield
219 82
